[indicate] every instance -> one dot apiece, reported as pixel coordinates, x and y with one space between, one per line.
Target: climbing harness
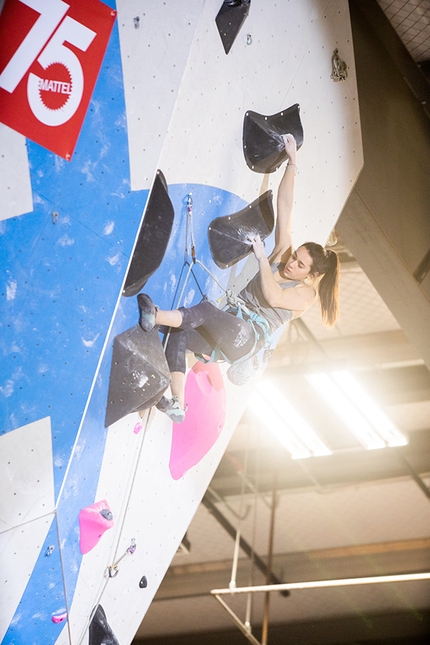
234 304
236 307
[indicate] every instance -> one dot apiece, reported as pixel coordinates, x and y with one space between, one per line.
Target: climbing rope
111 571
190 229
190 260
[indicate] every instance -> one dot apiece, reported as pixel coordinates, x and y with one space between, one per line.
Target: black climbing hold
107 514
230 19
263 145
230 235
139 373
153 237
143 582
100 632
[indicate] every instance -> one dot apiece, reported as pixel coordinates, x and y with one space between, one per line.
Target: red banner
50 56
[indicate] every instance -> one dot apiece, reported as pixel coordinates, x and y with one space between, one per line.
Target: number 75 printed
50 58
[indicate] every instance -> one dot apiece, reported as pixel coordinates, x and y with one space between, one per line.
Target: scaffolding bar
315 584
245 631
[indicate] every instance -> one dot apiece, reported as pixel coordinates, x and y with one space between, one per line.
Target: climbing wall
91 515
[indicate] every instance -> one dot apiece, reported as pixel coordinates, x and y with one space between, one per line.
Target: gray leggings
204 327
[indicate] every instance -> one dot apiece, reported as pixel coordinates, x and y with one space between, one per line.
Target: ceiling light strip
346 410
379 420
278 427
296 423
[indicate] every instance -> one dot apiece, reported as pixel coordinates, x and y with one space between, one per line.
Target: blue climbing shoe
172 408
147 311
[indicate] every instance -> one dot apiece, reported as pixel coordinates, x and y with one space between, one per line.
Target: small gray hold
107 514
143 582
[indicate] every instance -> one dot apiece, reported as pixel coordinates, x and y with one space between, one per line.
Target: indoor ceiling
411 21
354 513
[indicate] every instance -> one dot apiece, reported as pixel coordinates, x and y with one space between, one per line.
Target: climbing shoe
147 311
172 408
239 373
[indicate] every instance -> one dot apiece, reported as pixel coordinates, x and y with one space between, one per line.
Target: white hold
65 241
108 228
11 288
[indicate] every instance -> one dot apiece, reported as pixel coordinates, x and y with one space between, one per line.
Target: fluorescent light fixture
286 423
380 421
354 406
278 427
346 410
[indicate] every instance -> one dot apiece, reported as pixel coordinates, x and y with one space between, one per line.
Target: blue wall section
65 263
68 259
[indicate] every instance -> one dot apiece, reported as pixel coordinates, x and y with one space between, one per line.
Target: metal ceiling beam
388 386
380 350
337 470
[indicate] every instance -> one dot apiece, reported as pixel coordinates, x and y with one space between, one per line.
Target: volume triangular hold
230 236
100 632
153 237
230 19
263 145
139 373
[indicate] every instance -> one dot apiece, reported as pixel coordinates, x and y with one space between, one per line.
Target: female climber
287 283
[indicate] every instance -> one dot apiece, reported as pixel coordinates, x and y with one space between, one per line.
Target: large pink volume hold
204 421
94 520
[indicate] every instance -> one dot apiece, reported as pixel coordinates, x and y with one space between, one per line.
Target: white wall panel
288 61
26 474
15 187
19 549
155 39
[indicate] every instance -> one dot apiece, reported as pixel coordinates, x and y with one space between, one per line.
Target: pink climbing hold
137 428
94 520
204 421
59 616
